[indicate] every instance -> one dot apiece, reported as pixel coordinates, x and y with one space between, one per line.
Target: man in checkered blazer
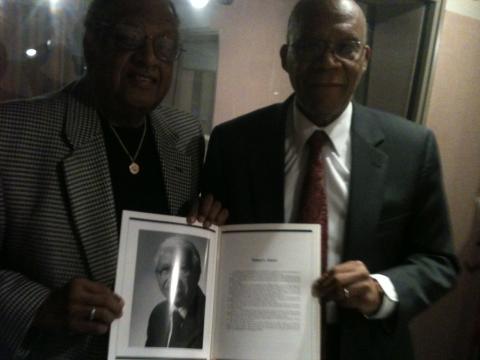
70 162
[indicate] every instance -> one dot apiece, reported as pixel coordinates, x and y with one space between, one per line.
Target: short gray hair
186 246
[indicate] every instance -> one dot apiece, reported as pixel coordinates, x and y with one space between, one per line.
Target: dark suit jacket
188 335
57 211
397 221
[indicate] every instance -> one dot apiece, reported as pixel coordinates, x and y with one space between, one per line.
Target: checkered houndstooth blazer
57 216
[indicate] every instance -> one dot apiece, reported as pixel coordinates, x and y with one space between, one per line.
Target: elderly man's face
176 276
323 81
135 77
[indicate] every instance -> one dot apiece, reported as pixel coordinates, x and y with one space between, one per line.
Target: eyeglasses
349 50
131 37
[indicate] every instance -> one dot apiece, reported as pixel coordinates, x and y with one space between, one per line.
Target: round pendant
134 168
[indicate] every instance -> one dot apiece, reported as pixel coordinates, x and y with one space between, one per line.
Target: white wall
470 8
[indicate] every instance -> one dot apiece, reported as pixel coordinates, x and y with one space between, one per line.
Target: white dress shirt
337 155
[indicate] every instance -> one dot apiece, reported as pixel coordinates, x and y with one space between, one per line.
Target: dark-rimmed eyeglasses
349 50
131 37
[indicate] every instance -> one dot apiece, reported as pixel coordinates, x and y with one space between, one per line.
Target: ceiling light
54 4
199 4
31 53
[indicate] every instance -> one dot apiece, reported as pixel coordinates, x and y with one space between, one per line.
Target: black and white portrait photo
168 303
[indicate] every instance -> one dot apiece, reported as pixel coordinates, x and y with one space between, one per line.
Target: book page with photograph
237 292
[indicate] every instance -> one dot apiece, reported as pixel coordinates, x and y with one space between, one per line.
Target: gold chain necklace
133 167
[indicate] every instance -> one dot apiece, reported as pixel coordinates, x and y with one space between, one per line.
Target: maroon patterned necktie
313 209
313 203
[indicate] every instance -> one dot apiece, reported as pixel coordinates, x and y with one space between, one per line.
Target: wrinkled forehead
326 19
145 11
171 254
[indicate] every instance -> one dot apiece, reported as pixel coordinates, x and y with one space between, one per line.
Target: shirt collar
338 131
181 311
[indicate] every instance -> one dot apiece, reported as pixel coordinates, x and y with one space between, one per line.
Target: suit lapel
89 189
267 166
176 166
369 165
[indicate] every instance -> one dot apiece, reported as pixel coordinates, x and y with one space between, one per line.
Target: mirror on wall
245 36
231 63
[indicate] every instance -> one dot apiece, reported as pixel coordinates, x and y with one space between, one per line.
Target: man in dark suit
70 162
178 320
379 191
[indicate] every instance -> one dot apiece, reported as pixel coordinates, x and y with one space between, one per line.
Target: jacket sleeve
430 268
20 298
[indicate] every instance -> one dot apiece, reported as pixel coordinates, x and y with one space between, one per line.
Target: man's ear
366 58
283 56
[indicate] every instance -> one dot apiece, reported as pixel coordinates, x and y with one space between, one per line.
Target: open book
231 292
